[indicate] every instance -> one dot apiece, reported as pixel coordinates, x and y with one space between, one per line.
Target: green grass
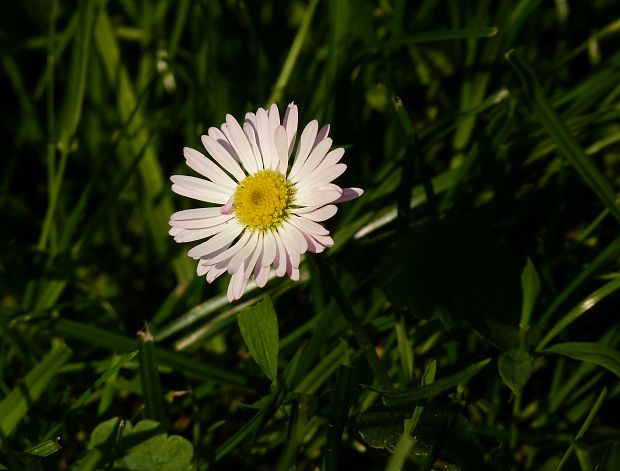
466 317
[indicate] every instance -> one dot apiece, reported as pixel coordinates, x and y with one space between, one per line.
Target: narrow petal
204 166
213 273
306 142
293 238
281 148
332 158
317 198
200 223
195 213
253 260
317 154
225 256
317 214
349 194
199 189
290 122
321 178
217 242
308 226
250 132
279 263
265 140
236 287
241 144
270 249
222 157
261 276
236 262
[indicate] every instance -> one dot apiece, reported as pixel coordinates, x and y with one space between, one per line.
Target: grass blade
149 378
15 406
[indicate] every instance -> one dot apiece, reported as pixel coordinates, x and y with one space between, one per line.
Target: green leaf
515 368
145 446
259 328
590 352
16 404
530 285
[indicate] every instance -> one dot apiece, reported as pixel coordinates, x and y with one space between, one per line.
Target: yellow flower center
263 200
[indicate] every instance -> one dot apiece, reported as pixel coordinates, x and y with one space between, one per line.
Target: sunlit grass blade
560 134
45 448
15 406
606 256
581 308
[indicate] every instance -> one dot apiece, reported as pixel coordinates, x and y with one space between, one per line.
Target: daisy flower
263 213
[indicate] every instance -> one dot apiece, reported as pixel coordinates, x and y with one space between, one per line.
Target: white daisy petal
317 154
317 198
222 157
265 140
306 142
290 123
226 255
332 158
201 223
250 133
325 176
214 272
270 248
195 213
279 262
203 165
349 194
321 135
317 214
191 235
261 276
228 234
308 226
237 261
280 139
241 144
199 189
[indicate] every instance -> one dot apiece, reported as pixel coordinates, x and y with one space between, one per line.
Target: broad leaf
143 447
259 328
515 368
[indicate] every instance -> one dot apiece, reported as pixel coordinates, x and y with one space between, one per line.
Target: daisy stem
361 337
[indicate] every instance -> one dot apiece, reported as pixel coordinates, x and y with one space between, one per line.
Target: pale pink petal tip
228 207
349 194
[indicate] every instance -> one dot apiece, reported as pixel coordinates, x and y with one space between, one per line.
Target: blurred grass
518 156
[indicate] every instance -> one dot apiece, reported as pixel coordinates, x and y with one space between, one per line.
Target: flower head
264 214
